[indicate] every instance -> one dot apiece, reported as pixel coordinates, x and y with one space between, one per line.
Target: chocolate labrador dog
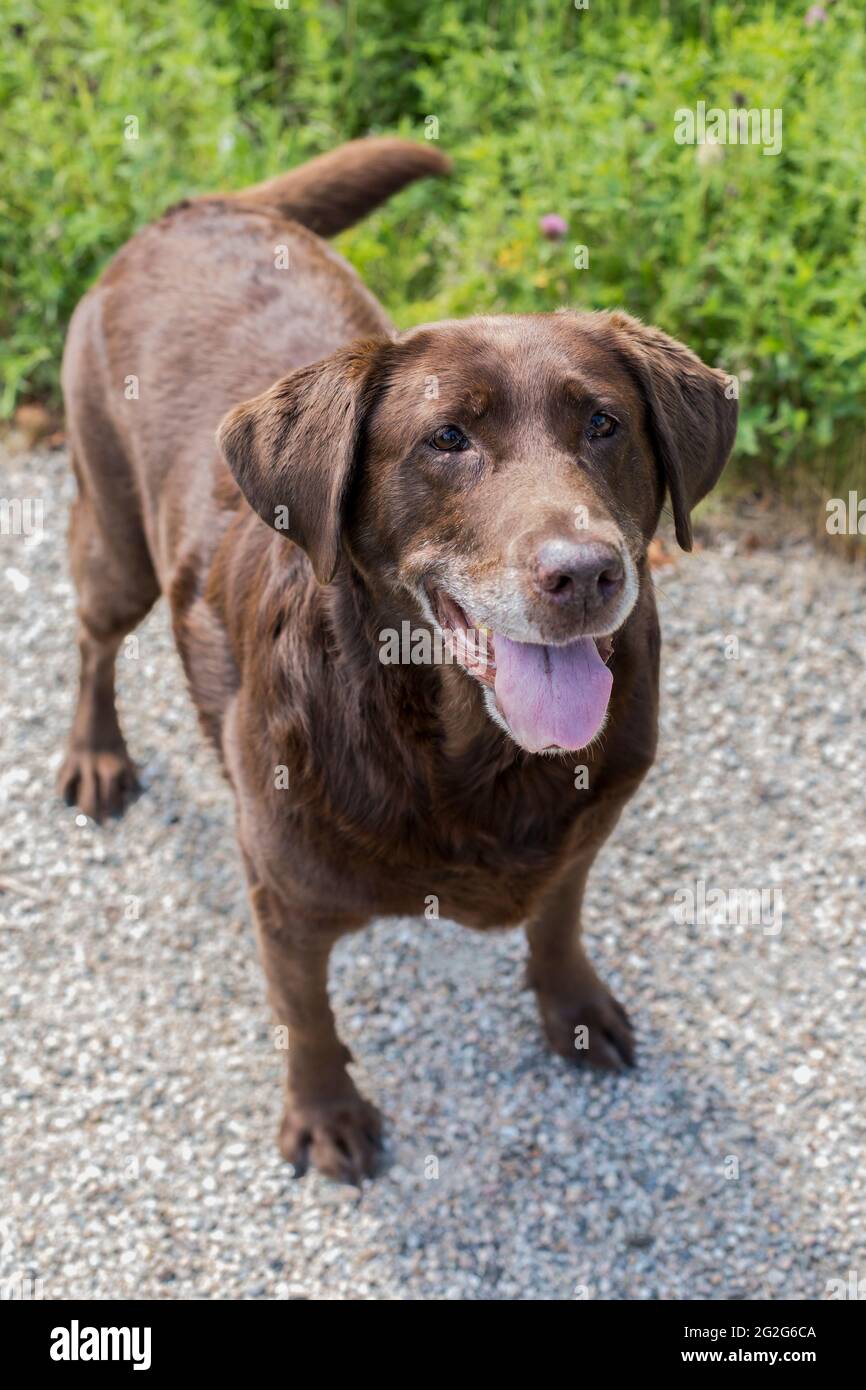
486 490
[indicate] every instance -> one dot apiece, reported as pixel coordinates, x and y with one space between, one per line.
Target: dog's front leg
581 1018
326 1121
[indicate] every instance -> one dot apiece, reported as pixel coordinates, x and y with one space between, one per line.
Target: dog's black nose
589 574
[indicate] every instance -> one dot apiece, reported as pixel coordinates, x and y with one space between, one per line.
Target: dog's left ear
292 449
691 413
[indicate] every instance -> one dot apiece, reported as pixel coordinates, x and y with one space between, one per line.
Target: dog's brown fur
400 785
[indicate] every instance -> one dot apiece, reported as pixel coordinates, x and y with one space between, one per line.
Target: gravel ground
140 1092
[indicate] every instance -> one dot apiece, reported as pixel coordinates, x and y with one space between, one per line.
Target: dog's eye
449 439
601 425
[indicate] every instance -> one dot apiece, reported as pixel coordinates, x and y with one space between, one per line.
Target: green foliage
758 262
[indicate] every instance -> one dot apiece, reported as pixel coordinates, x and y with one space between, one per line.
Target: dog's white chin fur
629 598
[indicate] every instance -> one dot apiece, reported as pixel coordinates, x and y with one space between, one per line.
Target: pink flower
553 226
816 14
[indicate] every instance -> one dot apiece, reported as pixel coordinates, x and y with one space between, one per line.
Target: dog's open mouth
550 696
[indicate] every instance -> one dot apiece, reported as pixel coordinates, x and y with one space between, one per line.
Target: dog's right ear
293 449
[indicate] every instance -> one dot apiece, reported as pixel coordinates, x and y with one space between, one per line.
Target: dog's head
507 474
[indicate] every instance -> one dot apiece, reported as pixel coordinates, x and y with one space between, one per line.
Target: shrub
758 262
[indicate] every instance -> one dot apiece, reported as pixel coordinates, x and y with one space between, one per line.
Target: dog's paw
101 784
341 1138
588 1027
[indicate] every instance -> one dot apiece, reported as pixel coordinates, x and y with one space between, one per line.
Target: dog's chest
482 854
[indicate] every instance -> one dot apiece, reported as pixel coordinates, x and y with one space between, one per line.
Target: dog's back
203 309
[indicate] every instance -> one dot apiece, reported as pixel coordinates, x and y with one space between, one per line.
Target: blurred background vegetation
759 263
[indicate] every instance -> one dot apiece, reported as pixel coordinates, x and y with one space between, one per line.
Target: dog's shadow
634 1186
505 1159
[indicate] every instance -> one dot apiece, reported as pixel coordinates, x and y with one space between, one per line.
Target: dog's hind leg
116 589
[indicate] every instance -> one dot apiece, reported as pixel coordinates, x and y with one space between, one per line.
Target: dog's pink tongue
552 696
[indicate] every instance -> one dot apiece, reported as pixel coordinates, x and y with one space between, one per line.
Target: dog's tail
338 188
